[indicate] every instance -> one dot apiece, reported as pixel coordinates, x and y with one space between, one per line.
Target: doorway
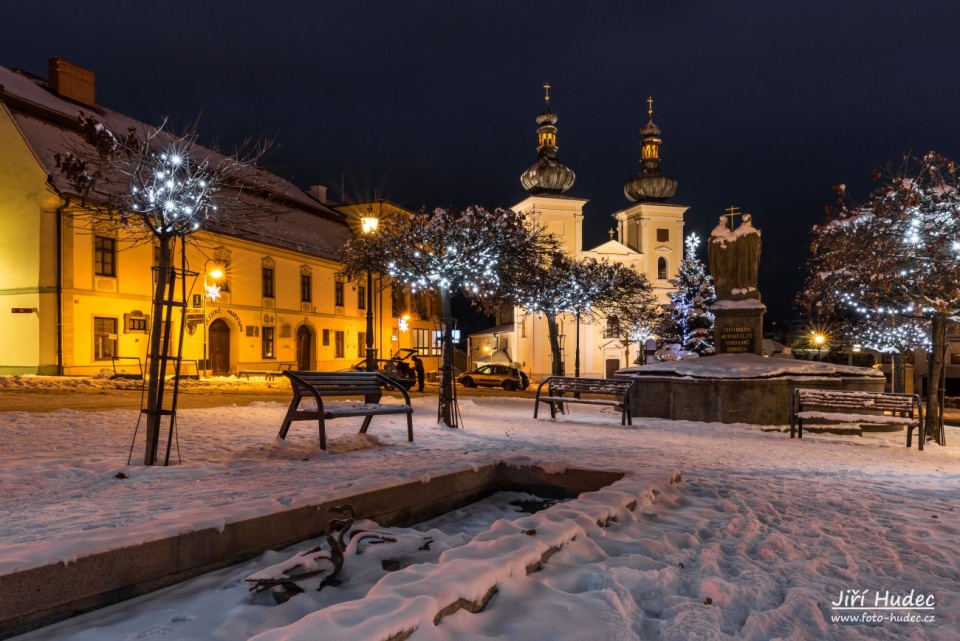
305 349
219 347
612 365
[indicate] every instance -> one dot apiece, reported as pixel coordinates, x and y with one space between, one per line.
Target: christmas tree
690 318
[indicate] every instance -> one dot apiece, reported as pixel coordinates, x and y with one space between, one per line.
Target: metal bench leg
285 426
323 433
366 423
409 427
536 406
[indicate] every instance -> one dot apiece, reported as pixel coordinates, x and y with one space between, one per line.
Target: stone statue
721 259
734 257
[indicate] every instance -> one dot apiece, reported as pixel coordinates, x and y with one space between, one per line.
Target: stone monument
733 254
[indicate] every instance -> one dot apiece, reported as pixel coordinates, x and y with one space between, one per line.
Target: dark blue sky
763 105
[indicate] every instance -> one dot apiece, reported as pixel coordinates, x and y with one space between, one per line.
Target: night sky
762 105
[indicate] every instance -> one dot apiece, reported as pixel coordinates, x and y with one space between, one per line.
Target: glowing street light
369 224
819 340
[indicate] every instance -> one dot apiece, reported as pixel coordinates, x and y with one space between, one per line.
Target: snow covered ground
758 541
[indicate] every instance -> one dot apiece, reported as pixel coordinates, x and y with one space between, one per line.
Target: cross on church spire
650 105
732 211
546 87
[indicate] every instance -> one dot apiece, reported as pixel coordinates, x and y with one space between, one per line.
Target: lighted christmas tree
690 322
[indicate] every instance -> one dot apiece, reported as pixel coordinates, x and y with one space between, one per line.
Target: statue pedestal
738 326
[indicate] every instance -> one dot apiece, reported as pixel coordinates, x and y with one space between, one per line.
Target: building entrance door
219 347
613 364
304 349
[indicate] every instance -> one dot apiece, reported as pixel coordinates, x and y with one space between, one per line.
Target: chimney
319 192
71 81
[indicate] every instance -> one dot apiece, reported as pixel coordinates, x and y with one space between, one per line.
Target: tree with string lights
892 334
689 322
591 289
474 251
896 253
157 187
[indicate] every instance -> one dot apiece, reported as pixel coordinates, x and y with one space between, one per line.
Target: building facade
76 293
648 236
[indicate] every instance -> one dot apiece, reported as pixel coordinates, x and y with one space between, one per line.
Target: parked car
506 376
394 369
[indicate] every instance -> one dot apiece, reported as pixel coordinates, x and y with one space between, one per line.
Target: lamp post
370 223
211 291
576 358
818 340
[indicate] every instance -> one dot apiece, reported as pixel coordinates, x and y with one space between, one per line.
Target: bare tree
158 187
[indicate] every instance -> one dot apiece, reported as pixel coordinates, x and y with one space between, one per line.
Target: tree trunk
897 374
447 410
556 367
933 420
155 370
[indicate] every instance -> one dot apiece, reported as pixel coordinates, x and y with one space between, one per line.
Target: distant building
648 236
76 300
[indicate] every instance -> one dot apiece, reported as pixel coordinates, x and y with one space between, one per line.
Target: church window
612 330
662 268
663 235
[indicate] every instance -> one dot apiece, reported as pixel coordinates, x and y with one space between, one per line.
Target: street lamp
818 340
210 291
369 224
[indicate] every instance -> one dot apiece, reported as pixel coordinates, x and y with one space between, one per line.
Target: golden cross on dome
546 87
650 103
611 232
731 212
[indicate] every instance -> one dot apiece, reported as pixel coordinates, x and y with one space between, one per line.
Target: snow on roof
612 247
47 123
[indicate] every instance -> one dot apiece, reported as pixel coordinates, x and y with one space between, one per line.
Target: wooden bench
322 385
266 373
878 408
559 386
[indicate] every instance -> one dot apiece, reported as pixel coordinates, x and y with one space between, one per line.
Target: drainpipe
59 287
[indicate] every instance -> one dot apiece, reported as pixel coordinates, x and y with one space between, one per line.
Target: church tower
546 181
653 227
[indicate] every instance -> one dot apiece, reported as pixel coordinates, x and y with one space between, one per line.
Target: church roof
548 175
614 247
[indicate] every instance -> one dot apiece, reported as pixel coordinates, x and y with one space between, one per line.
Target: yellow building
75 297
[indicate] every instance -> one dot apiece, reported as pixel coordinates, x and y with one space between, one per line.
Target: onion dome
650 184
548 175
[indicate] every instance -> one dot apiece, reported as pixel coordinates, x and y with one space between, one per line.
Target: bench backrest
879 401
611 386
338 383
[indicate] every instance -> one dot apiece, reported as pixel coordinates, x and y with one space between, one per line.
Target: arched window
662 268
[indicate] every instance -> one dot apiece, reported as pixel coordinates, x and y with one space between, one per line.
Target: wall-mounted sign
23 310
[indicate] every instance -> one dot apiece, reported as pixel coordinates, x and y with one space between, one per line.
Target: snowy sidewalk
769 530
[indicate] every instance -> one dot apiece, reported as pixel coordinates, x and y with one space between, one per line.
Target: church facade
648 236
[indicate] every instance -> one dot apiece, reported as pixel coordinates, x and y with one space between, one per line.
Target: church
648 236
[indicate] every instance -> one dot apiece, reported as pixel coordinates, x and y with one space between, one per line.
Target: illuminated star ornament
213 292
